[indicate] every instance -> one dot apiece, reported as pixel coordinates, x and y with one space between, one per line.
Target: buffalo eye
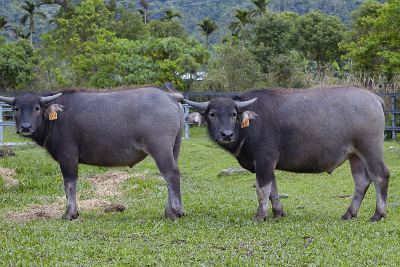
16 109
234 115
37 108
211 115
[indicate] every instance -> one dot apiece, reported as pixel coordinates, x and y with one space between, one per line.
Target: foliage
131 27
169 15
32 13
17 68
217 229
232 70
261 8
376 49
164 29
207 27
317 36
26 45
240 26
153 61
272 37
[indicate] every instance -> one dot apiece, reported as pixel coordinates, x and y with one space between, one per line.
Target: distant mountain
194 11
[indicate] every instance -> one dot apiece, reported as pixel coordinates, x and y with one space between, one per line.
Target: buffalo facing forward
117 128
305 131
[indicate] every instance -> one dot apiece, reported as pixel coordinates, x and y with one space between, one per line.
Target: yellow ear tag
245 124
52 115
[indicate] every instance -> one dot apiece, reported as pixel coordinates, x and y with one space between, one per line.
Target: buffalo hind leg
69 170
169 169
277 208
361 183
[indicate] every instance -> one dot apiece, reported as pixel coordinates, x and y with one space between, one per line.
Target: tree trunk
63 4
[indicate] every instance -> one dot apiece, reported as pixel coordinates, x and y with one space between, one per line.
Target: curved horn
7 100
244 104
198 105
47 99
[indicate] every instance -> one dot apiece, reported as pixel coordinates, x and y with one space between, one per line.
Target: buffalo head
223 117
29 111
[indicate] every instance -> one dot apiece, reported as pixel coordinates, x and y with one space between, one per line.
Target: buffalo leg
170 171
266 189
361 183
379 174
69 169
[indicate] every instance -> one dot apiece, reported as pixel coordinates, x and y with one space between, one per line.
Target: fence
6 108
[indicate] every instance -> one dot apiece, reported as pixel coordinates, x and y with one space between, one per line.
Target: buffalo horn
242 105
7 100
46 99
198 105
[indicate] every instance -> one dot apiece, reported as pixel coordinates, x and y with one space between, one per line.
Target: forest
213 45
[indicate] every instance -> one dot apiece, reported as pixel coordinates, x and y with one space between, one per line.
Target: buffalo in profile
304 131
116 128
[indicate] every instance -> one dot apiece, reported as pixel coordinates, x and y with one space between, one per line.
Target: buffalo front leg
266 189
69 169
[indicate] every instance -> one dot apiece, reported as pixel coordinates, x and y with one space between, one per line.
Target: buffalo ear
196 117
53 107
248 115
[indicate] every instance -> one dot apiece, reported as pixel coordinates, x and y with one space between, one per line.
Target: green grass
218 228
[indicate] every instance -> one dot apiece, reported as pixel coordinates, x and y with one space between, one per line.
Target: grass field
217 230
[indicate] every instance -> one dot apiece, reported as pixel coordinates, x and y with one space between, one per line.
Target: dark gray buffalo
117 128
308 131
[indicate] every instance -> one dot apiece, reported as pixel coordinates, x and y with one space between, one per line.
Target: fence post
394 123
1 127
187 134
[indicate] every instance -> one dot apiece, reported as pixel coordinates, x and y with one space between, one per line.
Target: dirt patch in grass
7 175
106 184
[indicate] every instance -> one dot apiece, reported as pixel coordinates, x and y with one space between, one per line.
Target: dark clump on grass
114 207
6 152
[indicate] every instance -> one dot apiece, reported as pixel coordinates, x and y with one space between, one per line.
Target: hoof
259 218
377 218
174 215
279 215
70 217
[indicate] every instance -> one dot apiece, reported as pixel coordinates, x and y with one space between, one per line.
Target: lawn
217 230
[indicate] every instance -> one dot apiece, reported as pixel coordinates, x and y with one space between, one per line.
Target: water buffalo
116 128
304 131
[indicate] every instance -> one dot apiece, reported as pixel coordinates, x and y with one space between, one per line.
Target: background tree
33 13
317 37
19 32
379 47
261 8
232 70
131 26
145 5
207 27
240 27
3 24
360 50
161 29
272 37
16 67
169 15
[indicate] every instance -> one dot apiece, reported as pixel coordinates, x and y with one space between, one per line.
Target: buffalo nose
227 134
26 127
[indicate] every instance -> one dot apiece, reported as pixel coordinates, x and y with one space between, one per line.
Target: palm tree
3 24
239 27
145 5
32 13
18 32
169 15
145 15
261 8
207 27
